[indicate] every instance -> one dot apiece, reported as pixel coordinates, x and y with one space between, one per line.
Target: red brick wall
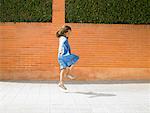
28 51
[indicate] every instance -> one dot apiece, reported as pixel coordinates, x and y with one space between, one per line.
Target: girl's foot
72 77
61 85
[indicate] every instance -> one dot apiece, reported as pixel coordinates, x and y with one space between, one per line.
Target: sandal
61 85
72 77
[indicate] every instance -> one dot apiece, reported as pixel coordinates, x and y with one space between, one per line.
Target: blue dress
65 59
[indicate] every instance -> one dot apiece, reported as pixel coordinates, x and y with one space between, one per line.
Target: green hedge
108 11
25 10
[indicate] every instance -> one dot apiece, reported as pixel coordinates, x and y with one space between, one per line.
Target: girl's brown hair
62 31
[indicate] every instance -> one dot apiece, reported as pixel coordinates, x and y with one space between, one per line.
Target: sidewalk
82 97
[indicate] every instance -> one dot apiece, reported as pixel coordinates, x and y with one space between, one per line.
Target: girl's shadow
94 94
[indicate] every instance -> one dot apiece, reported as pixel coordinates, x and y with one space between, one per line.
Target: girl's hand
60 53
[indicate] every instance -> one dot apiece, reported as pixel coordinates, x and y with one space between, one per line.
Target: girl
65 58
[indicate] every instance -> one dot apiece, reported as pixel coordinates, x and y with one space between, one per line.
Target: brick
27 47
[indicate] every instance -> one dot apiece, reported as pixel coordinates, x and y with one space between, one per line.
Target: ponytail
62 31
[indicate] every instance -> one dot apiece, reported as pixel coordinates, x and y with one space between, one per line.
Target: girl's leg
61 75
69 69
61 82
68 74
